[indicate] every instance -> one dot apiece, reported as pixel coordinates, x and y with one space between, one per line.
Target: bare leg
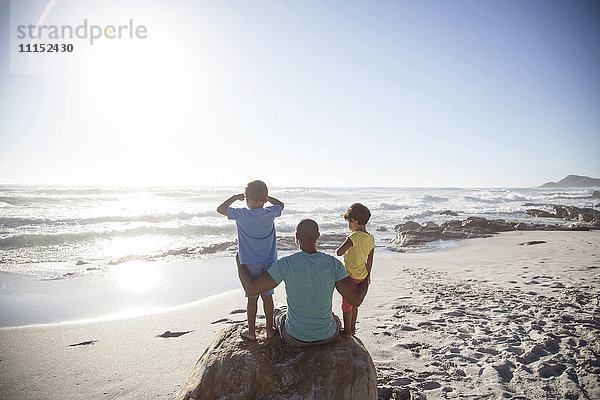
251 312
268 307
347 331
354 317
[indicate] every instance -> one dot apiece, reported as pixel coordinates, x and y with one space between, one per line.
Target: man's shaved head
307 230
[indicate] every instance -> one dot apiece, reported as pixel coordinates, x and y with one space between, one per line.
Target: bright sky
310 93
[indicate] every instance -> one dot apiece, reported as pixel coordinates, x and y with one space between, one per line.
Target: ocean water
53 232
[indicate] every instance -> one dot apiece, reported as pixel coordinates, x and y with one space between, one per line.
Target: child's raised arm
344 247
275 202
222 209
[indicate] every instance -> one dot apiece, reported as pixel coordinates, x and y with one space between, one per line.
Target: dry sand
488 319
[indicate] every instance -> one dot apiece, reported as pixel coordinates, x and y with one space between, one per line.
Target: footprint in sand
429 385
548 370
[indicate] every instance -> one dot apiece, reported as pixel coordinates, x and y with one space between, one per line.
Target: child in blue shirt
257 244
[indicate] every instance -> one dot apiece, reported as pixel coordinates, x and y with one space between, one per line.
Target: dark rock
233 368
413 234
220 320
500 225
414 238
532 243
596 193
81 262
407 226
475 222
448 234
430 226
540 213
169 334
579 227
454 223
449 212
381 229
587 214
86 343
523 226
561 212
483 226
450 230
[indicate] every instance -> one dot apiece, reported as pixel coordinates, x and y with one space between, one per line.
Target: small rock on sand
169 334
86 343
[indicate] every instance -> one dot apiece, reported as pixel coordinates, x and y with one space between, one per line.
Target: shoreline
400 323
126 290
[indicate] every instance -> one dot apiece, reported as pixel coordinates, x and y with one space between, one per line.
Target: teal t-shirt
309 283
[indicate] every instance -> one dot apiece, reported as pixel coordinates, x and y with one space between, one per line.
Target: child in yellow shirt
358 258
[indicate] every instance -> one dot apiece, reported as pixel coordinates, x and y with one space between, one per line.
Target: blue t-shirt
256 233
309 283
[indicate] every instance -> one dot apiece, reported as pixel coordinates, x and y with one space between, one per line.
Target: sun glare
137 277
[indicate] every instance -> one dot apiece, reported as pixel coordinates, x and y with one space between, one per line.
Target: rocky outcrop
414 234
232 368
569 213
539 213
596 193
407 226
410 234
449 212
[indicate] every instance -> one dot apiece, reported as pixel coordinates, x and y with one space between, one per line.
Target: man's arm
370 263
253 286
353 294
275 202
344 247
222 209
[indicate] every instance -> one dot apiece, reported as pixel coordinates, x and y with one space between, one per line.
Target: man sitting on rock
310 277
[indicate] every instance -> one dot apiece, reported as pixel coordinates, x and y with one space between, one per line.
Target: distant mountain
573 181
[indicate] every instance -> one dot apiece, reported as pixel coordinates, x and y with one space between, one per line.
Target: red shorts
345 305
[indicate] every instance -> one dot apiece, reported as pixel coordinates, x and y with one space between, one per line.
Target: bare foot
270 332
345 333
248 335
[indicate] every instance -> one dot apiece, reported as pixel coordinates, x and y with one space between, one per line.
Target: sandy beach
489 319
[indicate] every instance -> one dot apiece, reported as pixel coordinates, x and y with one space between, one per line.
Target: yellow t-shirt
356 257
